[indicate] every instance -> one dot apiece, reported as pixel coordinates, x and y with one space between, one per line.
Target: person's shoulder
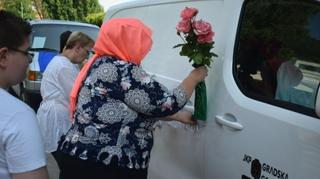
65 63
15 115
108 59
11 105
112 62
58 63
59 59
53 63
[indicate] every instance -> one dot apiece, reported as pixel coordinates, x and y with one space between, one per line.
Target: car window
277 54
47 35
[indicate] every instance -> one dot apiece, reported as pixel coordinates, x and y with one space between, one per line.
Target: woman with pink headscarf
114 103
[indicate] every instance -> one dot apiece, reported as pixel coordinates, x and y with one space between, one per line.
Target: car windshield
46 36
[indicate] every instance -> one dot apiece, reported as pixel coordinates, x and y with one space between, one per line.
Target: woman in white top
56 85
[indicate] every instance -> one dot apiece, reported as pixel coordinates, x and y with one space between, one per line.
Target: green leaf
178 45
198 59
207 62
213 54
186 51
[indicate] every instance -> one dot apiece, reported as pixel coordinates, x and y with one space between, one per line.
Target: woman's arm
181 116
190 82
148 97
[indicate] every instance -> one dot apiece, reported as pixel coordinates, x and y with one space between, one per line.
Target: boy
21 148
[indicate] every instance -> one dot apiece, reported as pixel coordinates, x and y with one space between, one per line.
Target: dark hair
63 39
13 30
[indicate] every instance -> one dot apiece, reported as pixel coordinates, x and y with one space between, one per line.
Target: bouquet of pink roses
197 36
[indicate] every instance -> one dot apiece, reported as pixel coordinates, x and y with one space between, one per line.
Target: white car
249 134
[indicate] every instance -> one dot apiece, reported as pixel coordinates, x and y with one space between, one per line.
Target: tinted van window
277 55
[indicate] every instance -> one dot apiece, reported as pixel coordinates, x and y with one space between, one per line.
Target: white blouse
53 113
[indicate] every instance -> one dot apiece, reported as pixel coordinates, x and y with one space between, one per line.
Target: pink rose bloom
188 13
201 27
184 26
206 38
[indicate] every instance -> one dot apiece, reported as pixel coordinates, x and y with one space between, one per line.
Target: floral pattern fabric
116 109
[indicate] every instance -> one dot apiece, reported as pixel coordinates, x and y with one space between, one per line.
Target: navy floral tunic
113 119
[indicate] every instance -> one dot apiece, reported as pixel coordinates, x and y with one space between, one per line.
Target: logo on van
262 171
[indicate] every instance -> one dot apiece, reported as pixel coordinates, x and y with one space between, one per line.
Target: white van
261 117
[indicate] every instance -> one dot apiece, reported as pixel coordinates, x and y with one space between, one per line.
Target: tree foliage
73 10
40 9
95 18
22 8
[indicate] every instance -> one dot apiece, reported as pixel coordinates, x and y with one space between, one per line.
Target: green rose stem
200 100
200 104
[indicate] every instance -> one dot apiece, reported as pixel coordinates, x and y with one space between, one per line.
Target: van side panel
177 153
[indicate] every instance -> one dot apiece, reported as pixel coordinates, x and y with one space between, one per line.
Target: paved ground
52 168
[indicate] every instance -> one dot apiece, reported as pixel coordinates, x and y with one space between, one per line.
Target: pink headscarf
125 38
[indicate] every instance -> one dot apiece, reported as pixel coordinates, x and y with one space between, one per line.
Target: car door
265 125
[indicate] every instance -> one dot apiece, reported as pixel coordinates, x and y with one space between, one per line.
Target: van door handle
229 120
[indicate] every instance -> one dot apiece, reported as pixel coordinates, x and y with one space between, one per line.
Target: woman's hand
185 117
181 116
199 74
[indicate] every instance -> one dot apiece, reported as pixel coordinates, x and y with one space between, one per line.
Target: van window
47 35
277 54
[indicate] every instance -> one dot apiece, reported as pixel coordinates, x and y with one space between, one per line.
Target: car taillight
34 76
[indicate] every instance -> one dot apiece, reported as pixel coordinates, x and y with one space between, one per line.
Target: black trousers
57 157
71 168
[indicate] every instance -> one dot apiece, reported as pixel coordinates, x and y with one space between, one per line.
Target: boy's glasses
26 53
